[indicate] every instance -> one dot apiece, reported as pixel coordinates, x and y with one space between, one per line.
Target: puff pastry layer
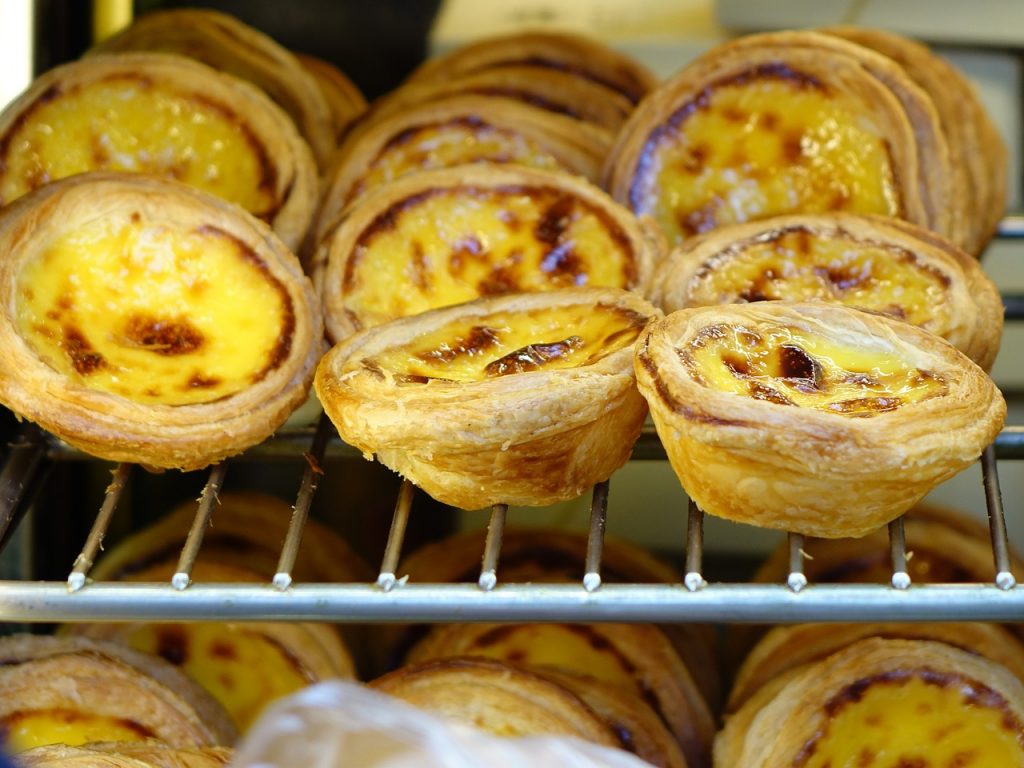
447 236
344 100
75 690
578 55
165 116
456 131
123 754
896 701
783 123
524 399
637 658
812 417
884 265
496 697
229 45
128 325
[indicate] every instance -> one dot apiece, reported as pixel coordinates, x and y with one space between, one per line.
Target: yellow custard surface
507 343
153 313
787 366
799 265
37 728
924 721
244 670
769 146
129 123
453 245
443 145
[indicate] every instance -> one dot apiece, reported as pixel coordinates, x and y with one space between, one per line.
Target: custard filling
244 670
154 314
787 366
916 719
769 142
794 265
56 725
130 123
506 343
448 246
443 145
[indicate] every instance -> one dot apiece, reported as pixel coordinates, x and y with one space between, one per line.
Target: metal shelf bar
796 580
182 577
93 543
492 547
595 537
898 555
694 576
396 537
774 603
996 520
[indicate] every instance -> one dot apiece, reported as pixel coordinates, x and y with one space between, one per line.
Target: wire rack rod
182 577
796 580
694 576
94 542
595 537
23 460
492 547
300 512
996 520
396 537
898 555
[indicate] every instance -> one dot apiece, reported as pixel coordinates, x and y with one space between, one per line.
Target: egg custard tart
812 417
448 236
525 399
776 124
75 691
883 702
578 55
147 321
456 131
229 45
166 116
123 754
867 262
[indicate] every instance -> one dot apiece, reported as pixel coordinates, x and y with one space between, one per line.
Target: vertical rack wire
996 520
595 537
182 577
492 548
386 579
898 555
694 577
796 580
94 542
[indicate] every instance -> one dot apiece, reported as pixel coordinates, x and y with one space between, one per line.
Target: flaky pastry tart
812 417
524 399
882 702
443 237
166 116
868 262
783 123
147 321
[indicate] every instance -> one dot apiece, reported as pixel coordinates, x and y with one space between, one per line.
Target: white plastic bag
345 725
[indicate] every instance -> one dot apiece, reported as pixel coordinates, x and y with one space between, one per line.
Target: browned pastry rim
114 427
289 172
344 99
818 472
971 315
526 438
578 55
229 45
123 754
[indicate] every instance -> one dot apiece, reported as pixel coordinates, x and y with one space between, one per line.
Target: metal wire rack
394 598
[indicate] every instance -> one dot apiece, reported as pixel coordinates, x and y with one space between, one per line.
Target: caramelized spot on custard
480 338
419 268
84 358
223 650
173 336
199 381
760 391
172 644
532 357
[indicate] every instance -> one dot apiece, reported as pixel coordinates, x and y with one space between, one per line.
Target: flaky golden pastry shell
787 647
904 115
961 304
229 45
499 698
113 427
635 657
498 130
123 754
41 674
288 172
529 438
787 721
576 54
343 250
345 101
807 470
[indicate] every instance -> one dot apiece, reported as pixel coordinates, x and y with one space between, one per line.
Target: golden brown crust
786 647
496 697
99 679
117 428
341 251
810 470
527 438
576 54
962 304
904 115
796 721
637 657
289 173
124 754
229 45
506 132
344 99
